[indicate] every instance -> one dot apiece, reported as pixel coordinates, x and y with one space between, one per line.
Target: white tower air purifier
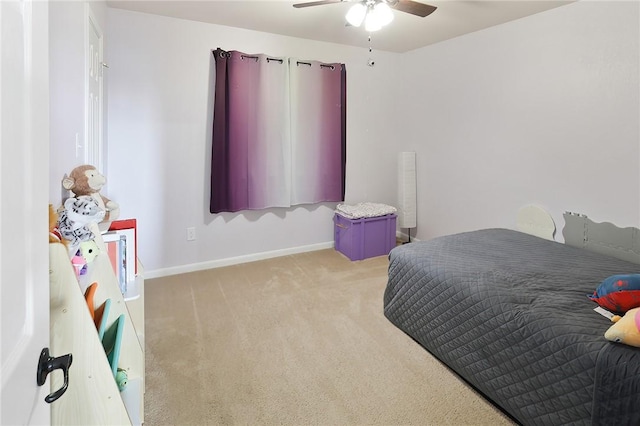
407 218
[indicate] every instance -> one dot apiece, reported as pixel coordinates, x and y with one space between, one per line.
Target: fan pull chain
370 62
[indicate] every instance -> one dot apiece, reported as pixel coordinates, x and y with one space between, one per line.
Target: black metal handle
46 364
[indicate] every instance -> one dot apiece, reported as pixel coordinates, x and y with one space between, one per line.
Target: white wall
159 140
542 110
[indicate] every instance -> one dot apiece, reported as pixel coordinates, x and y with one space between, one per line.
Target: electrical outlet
191 234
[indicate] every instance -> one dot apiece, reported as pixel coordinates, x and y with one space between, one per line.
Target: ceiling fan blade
413 7
317 3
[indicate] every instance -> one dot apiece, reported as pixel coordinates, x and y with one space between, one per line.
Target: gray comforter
509 313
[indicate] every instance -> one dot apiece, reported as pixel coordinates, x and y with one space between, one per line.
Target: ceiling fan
376 13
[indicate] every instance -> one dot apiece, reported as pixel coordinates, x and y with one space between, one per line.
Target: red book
112 251
122 224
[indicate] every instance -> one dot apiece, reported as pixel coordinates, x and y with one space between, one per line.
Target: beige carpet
296 340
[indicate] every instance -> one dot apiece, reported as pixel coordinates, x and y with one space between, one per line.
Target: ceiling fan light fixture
374 13
356 14
383 13
371 22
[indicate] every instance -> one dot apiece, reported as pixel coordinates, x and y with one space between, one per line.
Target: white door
24 183
93 92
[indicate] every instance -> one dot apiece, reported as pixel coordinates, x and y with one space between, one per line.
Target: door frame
98 150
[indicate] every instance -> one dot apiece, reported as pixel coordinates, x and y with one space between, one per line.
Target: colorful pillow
618 293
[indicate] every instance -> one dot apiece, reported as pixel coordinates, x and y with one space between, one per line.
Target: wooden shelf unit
92 397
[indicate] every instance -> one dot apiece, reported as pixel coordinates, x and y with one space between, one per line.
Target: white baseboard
192 267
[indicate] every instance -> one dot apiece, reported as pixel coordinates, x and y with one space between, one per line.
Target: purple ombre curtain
250 166
318 131
273 147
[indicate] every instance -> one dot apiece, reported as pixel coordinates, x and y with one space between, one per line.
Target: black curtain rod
224 53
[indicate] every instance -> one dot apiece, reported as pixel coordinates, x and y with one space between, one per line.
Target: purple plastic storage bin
363 238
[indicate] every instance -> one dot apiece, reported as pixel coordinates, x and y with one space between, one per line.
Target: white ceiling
327 23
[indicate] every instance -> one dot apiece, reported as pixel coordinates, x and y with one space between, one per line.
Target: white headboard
536 221
606 238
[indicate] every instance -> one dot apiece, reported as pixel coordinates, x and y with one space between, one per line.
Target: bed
509 313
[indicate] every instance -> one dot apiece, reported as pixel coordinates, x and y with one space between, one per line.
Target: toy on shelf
54 232
79 265
75 218
89 250
112 343
89 295
88 181
122 379
101 315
